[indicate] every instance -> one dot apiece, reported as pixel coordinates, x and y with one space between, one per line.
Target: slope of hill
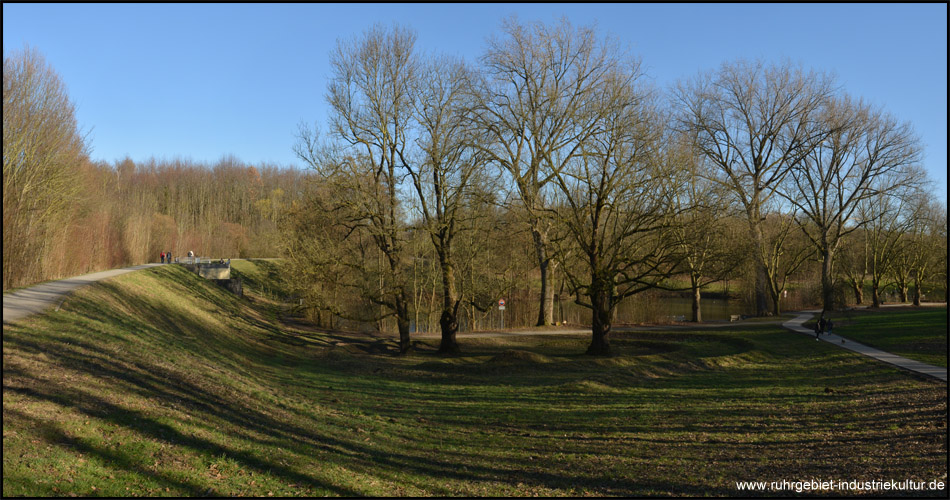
160 383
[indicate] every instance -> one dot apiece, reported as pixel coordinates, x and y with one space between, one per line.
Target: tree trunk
875 295
448 320
827 283
546 311
600 322
762 282
858 289
902 292
917 290
697 312
450 326
402 323
761 290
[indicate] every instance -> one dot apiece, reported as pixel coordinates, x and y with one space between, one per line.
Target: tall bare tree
535 107
445 174
371 111
614 202
861 150
42 152
754 122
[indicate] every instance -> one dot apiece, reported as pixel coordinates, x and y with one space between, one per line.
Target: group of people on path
167 256
822 325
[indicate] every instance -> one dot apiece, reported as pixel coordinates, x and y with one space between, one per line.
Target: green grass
918 333
158 383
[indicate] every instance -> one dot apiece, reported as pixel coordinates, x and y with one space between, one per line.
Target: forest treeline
548 171
64 214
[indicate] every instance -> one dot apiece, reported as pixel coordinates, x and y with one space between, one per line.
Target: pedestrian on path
829 325
163 257
168 257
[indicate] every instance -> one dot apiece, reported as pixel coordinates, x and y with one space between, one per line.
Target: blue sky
203 81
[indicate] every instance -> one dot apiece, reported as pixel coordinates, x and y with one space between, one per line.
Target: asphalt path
22 303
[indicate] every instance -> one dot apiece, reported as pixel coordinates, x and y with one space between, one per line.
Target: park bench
734 317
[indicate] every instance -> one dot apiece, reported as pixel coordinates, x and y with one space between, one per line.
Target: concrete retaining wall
236 286
214 271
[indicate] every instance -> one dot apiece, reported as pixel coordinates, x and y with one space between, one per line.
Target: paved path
795 325
22 303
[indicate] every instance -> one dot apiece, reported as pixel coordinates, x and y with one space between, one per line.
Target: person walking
168 257
163 257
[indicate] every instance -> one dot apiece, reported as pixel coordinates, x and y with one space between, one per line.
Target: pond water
642 309
661 309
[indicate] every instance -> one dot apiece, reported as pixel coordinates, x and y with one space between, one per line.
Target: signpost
501 307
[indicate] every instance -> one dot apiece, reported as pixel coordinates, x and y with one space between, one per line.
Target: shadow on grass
168 390
175 361
55 434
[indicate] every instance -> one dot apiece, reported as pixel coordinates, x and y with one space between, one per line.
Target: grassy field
158 383
913 332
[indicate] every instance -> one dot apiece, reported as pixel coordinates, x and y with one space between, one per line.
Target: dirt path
37 298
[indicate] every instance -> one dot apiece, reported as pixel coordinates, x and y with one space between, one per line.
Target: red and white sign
501 303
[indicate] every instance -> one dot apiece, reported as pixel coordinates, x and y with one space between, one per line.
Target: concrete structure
215 271
207 269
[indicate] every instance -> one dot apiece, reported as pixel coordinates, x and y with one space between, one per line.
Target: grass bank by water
159 383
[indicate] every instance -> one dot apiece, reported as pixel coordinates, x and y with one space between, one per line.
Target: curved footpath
22 303
795 325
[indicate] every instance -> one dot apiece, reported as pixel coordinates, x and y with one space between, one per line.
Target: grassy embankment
160 383
918 333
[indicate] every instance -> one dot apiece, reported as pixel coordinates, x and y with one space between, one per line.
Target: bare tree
884 216
445 175
703 235
613 205
784 251
535 107
862 148
924 245
371 112
753 123
853 263
42 152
